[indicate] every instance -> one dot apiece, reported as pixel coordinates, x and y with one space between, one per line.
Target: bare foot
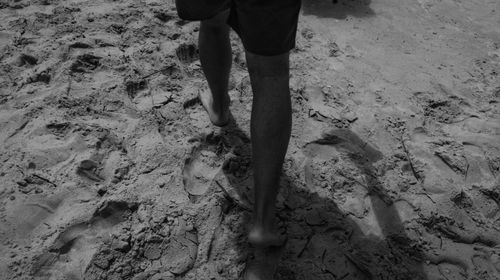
218 113
264 264
259 237
258 271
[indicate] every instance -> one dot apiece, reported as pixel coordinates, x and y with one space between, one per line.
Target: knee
217 22
268 66
213 27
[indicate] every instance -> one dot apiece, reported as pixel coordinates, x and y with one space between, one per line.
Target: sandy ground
111 170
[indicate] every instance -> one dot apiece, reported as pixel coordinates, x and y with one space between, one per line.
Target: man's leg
270 134
216 58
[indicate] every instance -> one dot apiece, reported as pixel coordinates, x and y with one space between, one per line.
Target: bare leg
216 57
270 134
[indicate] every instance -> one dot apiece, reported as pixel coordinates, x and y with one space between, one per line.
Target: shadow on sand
338 9
324 242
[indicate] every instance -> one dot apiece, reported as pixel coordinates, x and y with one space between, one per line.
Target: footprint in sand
89 169
72 250
25 216
187 53
202 165
220 164
85 63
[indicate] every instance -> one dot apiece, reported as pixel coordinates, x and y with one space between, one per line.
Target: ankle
265 237
221 101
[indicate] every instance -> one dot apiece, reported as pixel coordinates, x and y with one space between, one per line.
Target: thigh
200 9
266 27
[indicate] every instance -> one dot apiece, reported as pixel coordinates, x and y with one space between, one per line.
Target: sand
110 168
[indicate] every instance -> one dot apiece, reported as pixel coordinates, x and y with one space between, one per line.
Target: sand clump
110 168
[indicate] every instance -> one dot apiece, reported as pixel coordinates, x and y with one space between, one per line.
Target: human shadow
325 242
338 9
396 255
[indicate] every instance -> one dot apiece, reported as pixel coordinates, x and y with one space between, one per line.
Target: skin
270 119
270 130
216 58
270 133
264 265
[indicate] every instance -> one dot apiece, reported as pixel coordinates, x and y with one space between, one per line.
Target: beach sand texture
110 168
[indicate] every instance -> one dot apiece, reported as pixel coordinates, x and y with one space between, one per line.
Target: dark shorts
266 27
